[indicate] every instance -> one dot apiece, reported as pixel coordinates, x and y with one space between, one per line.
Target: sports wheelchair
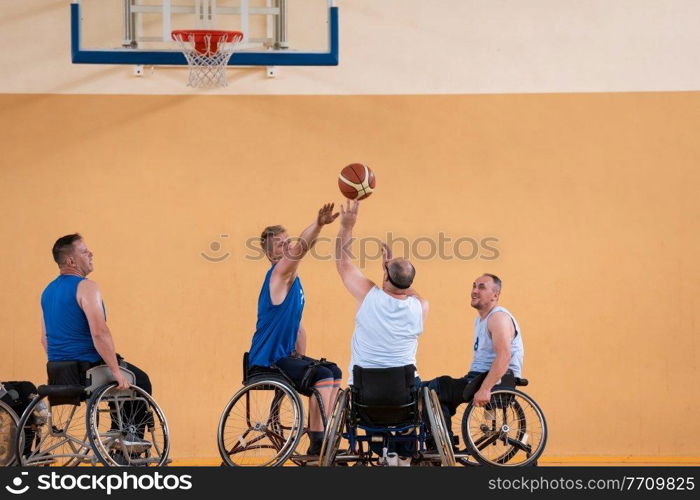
263 423
509 431
391 408
114 427
8 430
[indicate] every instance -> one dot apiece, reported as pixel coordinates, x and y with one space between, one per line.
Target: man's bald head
401 273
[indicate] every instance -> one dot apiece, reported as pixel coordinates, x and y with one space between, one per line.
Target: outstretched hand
348 215
386 253
326 215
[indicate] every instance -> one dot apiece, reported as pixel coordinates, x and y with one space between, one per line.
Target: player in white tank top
498 340
389 319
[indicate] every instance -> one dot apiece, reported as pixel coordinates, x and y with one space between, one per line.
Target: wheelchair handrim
97 444
10 437
501 461
290 444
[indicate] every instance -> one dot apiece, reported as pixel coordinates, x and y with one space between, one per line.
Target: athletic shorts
296 367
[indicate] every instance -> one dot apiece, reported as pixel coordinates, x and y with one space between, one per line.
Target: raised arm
90 300
286 269
425 306
357 283
502 331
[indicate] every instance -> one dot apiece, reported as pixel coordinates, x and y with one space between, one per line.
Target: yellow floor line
619 460
583 460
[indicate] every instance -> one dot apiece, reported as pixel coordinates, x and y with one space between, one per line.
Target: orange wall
593 199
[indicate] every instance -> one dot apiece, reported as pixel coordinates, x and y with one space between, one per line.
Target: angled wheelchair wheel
334 430
438 428
261 425
8 432
127 428
52 435
509 431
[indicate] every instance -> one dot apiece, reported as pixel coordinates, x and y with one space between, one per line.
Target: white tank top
386 331
484 353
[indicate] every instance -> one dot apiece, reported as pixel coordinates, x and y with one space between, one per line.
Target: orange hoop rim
199 35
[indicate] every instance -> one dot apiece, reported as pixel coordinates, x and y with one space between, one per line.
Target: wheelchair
388 405
263 423
8 430
509 431
113 427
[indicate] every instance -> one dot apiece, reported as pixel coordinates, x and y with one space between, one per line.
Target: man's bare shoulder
499 316
500 321
87 287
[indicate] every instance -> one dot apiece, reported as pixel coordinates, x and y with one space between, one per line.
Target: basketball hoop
207 53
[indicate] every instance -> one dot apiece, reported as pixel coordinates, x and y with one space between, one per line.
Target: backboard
138 32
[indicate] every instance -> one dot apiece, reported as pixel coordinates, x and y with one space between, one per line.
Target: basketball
356 181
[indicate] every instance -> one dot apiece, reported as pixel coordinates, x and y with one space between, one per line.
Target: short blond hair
268 234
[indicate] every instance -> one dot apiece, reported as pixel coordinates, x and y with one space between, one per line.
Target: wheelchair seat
384 396
66 382
257 373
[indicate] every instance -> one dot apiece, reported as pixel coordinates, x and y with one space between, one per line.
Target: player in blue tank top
74 326
280 338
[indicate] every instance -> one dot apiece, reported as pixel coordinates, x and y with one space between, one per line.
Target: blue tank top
67 331
277 326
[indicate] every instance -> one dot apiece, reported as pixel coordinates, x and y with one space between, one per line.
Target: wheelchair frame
12 419
268 428
45 423
345 415
505 424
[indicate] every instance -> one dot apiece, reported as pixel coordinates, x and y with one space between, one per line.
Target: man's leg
447 410
325 387
136 412
142 380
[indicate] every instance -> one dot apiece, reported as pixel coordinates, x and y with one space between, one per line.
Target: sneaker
314 448
316 440
404 462
392 460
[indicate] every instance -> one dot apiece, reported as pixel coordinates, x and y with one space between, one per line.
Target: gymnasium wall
584 203
401 47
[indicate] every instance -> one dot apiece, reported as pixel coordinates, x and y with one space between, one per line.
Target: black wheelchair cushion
253 373
67 376
384 396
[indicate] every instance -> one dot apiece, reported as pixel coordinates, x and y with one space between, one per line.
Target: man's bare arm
286 269
300 346
425 305
502 331
357 283
44 342
90 300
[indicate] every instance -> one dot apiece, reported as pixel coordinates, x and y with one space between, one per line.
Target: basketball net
207 56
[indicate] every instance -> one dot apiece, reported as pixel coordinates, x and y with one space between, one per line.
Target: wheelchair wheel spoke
127 428
510 430
260 425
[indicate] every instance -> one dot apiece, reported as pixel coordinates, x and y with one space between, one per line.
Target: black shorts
295 368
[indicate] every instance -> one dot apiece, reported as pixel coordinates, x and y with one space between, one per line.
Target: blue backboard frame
176 58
